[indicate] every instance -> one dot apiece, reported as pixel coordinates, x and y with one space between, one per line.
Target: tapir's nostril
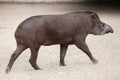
108 31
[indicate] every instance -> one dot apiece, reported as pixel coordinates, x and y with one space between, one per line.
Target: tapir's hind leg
20 48
34 47
63 49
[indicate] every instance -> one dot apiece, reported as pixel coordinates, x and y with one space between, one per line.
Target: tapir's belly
52 41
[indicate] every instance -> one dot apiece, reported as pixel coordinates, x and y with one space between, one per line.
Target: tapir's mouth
109 31
112 31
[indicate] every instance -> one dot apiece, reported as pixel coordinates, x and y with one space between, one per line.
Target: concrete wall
44 0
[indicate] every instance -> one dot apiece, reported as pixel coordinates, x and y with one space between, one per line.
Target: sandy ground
106 49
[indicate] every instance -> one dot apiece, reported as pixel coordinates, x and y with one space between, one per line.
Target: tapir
63 29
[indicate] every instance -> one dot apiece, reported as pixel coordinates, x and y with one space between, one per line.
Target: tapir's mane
84 11
90 13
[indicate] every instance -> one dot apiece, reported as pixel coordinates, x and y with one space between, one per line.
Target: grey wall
44 0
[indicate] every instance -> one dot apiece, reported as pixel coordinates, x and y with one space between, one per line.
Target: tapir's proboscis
63 29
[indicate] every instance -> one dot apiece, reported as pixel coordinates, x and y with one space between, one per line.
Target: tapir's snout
108 29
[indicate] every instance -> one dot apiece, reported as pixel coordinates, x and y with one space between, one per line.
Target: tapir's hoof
94 61
8 70
62 64
39 69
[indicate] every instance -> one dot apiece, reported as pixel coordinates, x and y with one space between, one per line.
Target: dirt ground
106 49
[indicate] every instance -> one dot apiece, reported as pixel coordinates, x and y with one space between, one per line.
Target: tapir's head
99 27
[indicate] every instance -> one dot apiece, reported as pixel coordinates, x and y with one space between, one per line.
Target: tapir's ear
94 17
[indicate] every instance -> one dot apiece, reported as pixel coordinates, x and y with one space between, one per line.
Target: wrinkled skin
65 29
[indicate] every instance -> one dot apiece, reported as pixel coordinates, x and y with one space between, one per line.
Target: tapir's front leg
81 44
